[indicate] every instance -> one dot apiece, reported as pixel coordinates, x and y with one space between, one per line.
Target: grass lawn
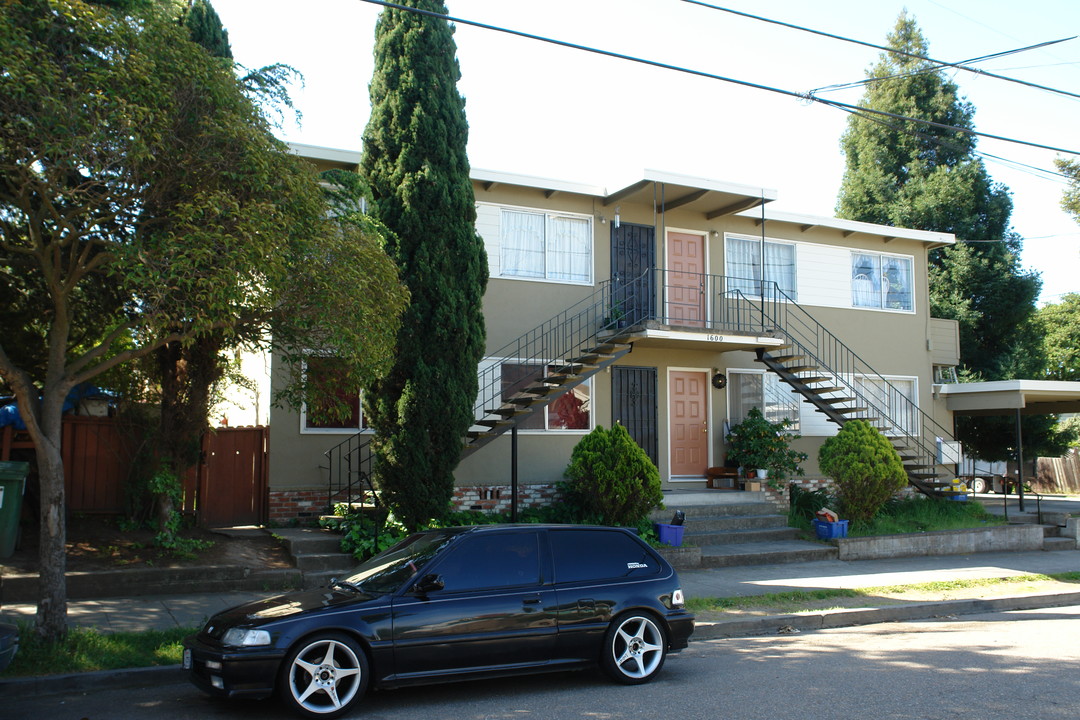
84 650
909 515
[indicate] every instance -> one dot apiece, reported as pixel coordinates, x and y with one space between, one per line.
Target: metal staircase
565 351
593 333
838 383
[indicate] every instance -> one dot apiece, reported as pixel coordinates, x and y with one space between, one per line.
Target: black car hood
288 605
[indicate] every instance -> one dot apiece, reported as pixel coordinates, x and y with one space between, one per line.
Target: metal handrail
905 422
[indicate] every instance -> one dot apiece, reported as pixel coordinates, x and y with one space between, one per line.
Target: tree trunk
51 621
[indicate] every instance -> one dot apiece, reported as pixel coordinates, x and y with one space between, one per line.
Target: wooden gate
233 477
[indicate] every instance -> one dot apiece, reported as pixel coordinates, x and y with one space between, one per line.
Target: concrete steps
1060 530
735 528
317 554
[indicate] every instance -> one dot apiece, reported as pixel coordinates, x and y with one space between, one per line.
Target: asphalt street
981 667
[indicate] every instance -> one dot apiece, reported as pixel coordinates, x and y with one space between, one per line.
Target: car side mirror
428 583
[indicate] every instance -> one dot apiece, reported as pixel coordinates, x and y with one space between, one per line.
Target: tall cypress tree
913 175
416 167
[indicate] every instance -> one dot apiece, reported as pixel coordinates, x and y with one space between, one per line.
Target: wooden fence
1059 475
229 486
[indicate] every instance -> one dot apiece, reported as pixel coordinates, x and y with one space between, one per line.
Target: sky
555 112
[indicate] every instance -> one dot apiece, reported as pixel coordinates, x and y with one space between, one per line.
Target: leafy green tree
865 466
1060 325
611 479
92 109
929 178
416 167
926 177
1070 201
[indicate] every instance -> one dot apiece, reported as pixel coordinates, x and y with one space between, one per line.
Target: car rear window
599 555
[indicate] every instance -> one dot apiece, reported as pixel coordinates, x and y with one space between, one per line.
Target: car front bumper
231 672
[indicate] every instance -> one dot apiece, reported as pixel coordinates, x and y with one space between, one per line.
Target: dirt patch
101 543
886 598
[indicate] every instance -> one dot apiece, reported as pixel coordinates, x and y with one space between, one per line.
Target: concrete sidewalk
187 610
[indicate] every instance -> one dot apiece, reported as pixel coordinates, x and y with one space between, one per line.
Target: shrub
866 468
757 444
611 479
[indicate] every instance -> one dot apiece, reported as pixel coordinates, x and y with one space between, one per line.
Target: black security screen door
633 252
633 405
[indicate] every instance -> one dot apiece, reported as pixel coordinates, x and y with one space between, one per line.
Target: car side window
491 561
599 555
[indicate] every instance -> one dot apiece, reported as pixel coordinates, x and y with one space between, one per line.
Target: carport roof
1004 397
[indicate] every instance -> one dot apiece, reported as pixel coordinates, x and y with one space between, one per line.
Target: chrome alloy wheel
635 649
326 676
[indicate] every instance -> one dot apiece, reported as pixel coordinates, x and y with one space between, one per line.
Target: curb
43 685
828 619
769 625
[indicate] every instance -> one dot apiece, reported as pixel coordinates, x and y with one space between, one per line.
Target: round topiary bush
865 466
611 479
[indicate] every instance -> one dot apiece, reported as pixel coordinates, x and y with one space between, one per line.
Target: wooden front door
686 279
688 417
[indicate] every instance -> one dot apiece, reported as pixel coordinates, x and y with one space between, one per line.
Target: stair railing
885 405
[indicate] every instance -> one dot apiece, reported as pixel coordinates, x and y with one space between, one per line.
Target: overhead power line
713 76
958 66
923 71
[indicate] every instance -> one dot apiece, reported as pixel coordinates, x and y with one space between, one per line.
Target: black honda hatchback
452 604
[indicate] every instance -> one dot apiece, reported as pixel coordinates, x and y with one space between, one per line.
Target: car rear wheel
324 675
634 649
978 485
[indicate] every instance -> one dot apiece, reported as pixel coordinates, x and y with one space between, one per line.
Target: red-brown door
688 403
686 279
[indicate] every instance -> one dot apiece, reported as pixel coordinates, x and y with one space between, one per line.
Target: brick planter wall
303 505
496 498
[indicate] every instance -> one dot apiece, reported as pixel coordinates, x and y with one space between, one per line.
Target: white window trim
548 214
751 371
776 241
900 311
914 379
546 430
305 430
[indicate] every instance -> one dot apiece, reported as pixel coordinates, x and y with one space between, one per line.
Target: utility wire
713 76
893 50
923 71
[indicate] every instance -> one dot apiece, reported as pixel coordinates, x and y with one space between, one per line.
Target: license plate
187 659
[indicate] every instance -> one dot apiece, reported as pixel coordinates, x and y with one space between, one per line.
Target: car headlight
677 598
245 637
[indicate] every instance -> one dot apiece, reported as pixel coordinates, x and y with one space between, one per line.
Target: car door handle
535 600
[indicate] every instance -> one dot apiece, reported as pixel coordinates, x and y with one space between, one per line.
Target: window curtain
897 398
522 244
896 282
865 280
780 267
569 249
743 259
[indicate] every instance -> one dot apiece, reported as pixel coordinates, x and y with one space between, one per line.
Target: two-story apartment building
672 305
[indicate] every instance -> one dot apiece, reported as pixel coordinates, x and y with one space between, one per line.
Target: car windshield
392 568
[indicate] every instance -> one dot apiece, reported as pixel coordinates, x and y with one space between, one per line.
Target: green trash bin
12 487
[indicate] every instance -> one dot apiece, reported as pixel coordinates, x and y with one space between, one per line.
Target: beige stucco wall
894 343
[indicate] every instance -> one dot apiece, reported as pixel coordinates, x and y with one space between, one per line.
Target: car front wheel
634 649
324 675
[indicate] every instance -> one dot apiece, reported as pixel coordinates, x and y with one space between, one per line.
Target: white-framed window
763 390
742 265
898 400
324 371
882 281
571 411
546 246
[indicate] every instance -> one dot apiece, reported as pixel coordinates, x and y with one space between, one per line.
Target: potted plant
757 444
